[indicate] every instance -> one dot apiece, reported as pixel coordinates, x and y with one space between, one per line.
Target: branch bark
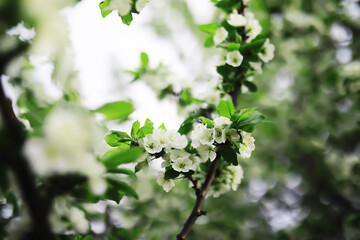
200 198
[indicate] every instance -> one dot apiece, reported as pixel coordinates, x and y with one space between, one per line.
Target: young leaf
207 121
186 126
127 19
149 123
244 120
234 46
162 126
123 187
228 154
144 60
145 130
116 138
115 157
226 108
116 110
209 42
103 7
255 45
112 193
135 129
209 28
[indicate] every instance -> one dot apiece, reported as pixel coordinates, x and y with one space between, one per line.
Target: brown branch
200 198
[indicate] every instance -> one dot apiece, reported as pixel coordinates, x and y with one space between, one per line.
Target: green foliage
228 154
117 138
209 28
144 60
207 122
226 109
170 173
119 110
104 8
122 187
127 19
117 156
123 171
186 126
135 129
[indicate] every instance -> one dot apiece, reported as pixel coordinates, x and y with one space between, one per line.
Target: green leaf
209 42
170 173
255 45
246 119
123 171
243 115
226 108
145 130
134 129
209 28
116 110
103 7
127 19
144 59
186 126
117 156
116 138
162 126
234 46
228 154
149 123
207 121
112 193
88 237
250 85
122 186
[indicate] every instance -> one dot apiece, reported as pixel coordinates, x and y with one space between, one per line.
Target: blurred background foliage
303 180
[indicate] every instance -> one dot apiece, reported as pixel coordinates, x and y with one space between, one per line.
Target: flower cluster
233 57
70 139
182 157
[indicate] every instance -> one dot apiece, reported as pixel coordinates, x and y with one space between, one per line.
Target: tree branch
200 198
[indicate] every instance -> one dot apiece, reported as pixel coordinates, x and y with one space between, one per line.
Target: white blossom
70 136
163 137
151 144
219 135
140 4
202 135
176 140
253 28
220 35
247 145
234 58
123 6
236 175
236 19
166 184
25 34
232 134
182 164
78 220
221 57
221 121
352 69
206 152
256 66
177 153
267 52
